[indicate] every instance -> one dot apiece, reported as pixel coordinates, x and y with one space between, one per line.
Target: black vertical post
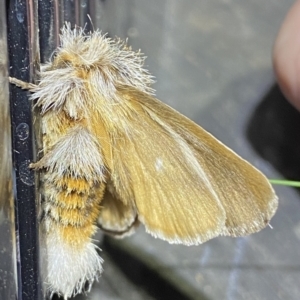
22 52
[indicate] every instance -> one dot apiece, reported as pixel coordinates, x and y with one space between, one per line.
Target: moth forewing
115 155
196 188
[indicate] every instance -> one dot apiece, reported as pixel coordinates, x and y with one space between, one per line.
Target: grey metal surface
212 62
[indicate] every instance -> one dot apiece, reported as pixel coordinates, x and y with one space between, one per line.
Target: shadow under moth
115 156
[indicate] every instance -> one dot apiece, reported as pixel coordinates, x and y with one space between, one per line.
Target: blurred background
212 62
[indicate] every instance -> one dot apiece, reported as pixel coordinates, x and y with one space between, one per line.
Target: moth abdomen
69 206
74 176
70 214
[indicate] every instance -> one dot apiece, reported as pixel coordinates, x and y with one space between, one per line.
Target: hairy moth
115 156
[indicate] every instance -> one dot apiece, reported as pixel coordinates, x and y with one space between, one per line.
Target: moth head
87 67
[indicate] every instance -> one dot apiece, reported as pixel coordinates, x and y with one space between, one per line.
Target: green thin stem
285 182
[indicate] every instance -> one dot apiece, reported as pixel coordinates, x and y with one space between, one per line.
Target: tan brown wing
246 195
115 217
186 185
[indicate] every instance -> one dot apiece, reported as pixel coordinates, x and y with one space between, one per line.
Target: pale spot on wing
158 164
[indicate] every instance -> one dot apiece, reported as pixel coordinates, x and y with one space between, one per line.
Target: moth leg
22 84
74 184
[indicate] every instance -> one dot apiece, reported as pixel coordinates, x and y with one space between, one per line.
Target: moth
115 156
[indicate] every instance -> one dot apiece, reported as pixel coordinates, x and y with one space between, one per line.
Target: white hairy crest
109 63
66 157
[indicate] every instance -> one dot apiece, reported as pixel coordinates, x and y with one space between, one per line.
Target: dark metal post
23 57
